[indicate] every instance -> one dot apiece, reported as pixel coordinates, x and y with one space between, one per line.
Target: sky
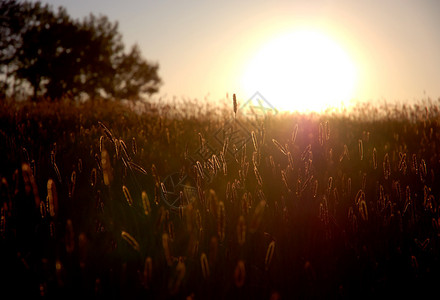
206 48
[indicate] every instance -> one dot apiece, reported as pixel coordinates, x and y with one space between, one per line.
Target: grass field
188 202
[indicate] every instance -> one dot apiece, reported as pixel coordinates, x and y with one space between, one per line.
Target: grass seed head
327 131
386 167
176 280
321 133
127 195
72 184
130 240
205 266
93 177
146 203
414 163
107 132
239 274
136 167
258 176
70 237
363 211
361 149
43 210
241 230
80 165
107 171
148 272
155 173
221 221
166 249
294 133
3 218
269 255
257 216
279 146
30 183
133 146
52 198
234 100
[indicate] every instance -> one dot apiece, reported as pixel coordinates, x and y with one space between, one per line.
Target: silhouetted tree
131 70
54 55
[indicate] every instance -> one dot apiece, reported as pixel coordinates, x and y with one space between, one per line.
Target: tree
130 74
12 25
54 55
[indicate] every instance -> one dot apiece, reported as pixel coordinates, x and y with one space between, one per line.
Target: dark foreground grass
300 206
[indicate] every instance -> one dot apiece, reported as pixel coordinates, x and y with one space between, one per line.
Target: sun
303 70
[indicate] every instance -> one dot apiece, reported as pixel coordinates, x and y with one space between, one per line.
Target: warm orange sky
205 47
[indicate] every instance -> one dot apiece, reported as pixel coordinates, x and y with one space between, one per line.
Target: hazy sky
203 47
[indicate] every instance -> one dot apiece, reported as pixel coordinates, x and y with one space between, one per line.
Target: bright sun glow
304 70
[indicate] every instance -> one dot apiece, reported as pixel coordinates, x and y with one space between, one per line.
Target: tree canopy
47 53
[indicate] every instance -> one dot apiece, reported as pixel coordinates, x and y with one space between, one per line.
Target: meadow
185 201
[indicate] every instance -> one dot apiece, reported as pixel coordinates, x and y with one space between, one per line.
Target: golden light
304 70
